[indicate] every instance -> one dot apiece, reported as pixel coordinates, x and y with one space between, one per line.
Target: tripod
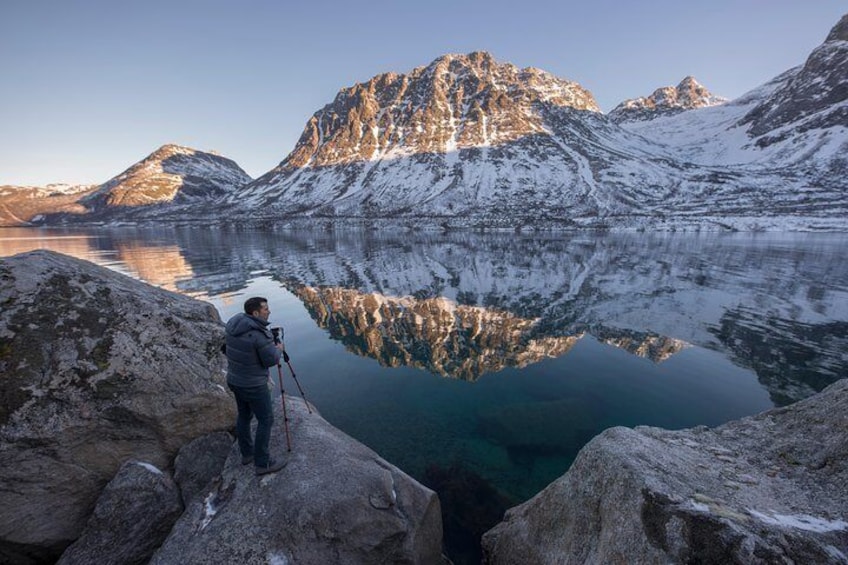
283 400
278 334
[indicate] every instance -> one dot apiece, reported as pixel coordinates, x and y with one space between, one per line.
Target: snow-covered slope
171 174
669 100
470 141
778 154
815 98
797 122
458 137
172 183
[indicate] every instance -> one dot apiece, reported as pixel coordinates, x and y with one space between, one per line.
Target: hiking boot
247 460
273 467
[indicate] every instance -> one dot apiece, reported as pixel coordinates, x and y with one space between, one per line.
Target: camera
278 334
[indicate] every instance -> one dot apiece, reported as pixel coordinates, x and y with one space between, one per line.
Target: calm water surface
485 362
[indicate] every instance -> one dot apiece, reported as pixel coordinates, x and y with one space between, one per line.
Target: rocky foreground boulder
199 462
95 369
336 501
771 488
132 518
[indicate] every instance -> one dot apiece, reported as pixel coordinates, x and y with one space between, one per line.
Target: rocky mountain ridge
815 98
455 102
25 205
171 174
689 94
467 141
52 189
172 178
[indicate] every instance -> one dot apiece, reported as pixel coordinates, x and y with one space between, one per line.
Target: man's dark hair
254 304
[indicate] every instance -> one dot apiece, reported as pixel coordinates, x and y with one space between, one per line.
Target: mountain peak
455 102
687 95
689 82
172 173
176 147
474 59
171 149
839 31
814 97
693 94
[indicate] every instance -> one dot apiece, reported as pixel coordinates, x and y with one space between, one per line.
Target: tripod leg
285 413
297 382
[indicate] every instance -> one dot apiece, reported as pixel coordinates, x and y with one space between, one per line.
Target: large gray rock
95 369
199 462
335 502
132 518
771 488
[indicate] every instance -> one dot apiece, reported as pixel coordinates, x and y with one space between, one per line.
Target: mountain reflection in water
449 339
463 305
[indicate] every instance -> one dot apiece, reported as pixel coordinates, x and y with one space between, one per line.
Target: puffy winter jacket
250 351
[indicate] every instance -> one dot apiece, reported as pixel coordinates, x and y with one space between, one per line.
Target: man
251 351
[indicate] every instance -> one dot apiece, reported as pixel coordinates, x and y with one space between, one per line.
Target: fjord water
481 363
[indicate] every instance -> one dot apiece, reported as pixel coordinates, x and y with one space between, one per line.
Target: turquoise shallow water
522 428
481 364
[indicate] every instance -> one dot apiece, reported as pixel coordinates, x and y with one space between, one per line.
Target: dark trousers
254 401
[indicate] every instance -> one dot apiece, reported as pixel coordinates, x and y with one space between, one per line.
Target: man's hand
285 356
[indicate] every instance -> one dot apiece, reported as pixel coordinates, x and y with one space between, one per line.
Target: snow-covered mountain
171 174
460 137
814 98
797 122
172 182
782 146
470 141
52 189
668 100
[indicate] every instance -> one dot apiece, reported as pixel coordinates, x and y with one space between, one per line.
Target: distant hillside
170 175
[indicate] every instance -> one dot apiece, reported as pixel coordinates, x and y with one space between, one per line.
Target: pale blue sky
91 87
